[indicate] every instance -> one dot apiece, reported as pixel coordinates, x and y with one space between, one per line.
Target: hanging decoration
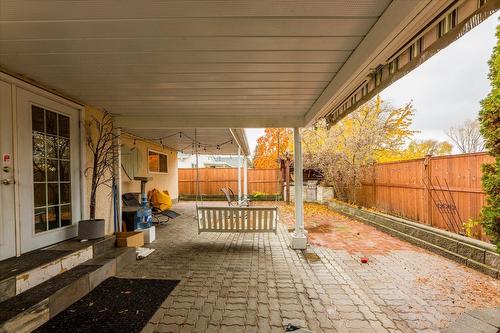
192 145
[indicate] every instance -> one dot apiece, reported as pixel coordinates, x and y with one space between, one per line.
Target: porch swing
244 219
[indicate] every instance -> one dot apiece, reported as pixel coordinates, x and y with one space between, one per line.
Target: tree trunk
93 190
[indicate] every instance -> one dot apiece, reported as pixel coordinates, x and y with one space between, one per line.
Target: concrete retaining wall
471 252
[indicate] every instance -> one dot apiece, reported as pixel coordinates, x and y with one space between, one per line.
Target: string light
192 144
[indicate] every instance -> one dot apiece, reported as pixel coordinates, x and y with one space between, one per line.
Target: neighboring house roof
209 160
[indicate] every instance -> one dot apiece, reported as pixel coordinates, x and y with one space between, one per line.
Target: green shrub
489 116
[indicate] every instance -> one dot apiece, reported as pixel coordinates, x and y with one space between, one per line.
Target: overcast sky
446 89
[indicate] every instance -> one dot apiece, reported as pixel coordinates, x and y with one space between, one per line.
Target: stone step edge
481 267
41 312
26 280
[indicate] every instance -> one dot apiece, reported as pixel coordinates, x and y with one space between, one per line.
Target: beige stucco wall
104 206
160 181
104 209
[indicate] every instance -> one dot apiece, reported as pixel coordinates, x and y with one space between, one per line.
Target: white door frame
7 204
80 198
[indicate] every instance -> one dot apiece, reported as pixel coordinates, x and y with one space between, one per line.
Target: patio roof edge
240 137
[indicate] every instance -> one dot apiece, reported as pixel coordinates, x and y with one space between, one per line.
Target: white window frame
159 153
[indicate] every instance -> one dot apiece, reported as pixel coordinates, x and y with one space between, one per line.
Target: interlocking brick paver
255 283
167 328
230 321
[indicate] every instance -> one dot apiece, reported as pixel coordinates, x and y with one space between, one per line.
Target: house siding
167 181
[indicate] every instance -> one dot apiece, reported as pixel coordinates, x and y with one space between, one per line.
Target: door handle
6 181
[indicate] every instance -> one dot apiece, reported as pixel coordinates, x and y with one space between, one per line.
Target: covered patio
178 76
234 282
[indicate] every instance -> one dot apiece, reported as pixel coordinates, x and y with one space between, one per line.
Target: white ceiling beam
208 121
151 9
241 139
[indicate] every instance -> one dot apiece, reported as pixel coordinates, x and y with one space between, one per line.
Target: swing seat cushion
237 219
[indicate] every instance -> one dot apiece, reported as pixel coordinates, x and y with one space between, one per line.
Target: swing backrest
237 219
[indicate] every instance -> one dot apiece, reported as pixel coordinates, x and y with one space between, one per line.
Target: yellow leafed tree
266 151
415 149
341 151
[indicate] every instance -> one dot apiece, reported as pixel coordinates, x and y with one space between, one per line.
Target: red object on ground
364 260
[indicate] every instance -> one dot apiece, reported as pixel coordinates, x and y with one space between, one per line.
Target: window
415 49
157 162
447 23
51 169
481 3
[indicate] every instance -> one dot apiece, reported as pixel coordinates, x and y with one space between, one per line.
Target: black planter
91 229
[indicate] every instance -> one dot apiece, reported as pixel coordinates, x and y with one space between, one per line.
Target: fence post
374 182
428 195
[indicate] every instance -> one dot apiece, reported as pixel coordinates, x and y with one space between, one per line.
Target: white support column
298 239
117 170
239 174
245 178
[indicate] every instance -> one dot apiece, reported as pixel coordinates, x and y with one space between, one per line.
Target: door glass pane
40 194
37 119
52 194
65 193
65 172
53 217
63 149
38 144
63 126
40 219
51 169
39 169
65 215
52 143
51 122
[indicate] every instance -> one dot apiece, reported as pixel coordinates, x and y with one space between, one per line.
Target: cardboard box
129 239
149 234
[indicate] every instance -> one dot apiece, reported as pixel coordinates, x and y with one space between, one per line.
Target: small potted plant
101 142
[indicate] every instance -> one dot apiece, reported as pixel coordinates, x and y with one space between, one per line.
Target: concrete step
32 308
29 270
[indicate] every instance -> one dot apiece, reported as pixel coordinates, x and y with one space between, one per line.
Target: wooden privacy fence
442 191
211 180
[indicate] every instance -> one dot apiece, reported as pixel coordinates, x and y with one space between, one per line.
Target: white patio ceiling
205 63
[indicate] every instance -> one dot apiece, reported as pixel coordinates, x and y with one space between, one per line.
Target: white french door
7 208
48 160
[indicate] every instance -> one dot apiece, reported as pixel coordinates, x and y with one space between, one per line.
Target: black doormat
116 305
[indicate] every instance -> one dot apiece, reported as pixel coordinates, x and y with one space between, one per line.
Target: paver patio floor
255 283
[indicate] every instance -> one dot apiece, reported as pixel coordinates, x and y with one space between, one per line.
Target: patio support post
298 239
245 178
239 174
